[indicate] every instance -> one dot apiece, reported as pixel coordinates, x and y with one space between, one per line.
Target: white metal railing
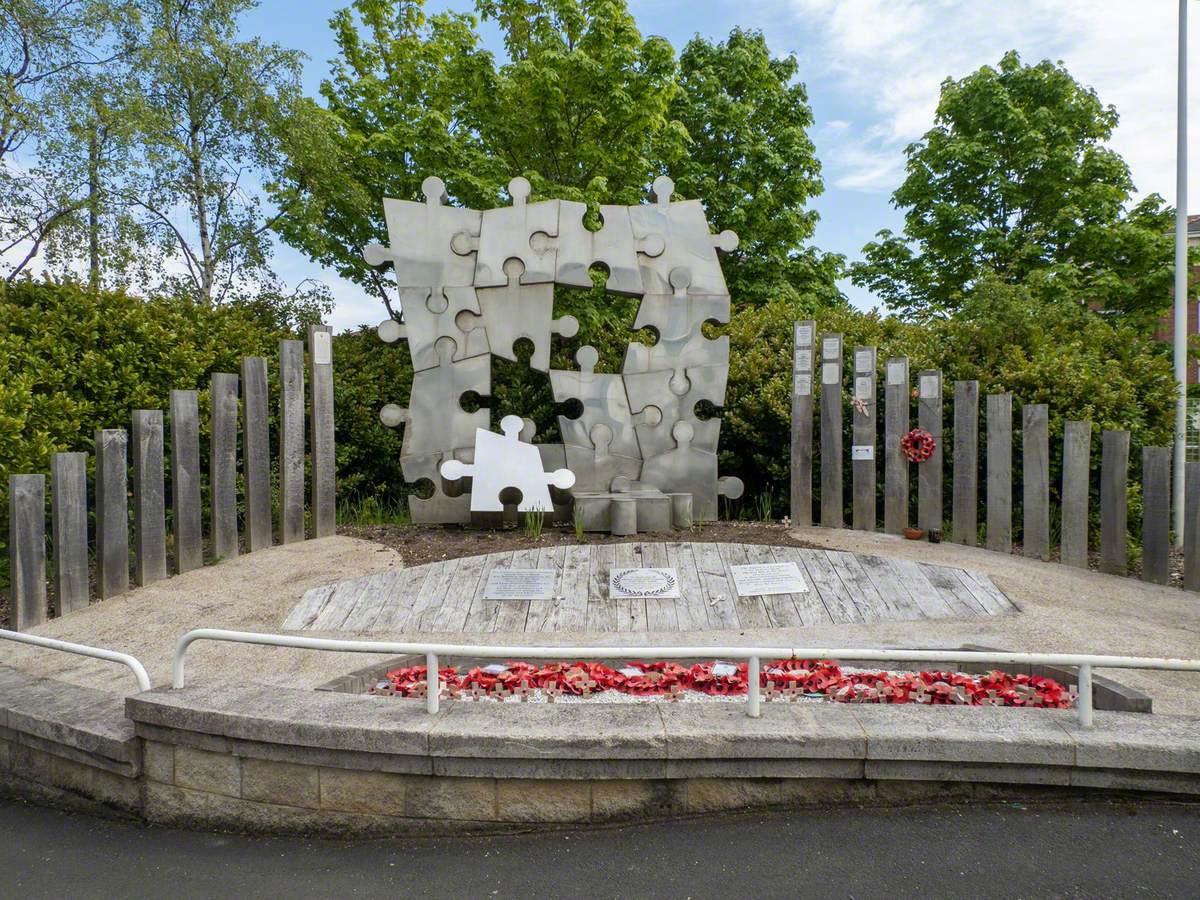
36 640
753 655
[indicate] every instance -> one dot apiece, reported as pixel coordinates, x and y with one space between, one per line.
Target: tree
1015 179
51 55
583 106
750 158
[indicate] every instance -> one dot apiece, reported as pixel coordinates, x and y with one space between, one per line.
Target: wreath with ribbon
918 445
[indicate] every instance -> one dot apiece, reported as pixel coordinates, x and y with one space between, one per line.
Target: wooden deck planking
839 607
602 610
447 596
781 608
722 612
692 611
661 612
889 585
631 613
751 610
404 597
929 599
947 583
378 593
511 615
543 614
482 614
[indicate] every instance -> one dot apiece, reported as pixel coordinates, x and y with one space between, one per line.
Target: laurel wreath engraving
667 588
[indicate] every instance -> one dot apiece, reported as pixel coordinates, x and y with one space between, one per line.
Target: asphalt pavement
1084 849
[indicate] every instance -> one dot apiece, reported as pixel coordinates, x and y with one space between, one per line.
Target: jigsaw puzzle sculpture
473 283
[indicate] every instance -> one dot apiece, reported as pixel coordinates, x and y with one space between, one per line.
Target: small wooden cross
676 693
552 692
793 692
770 691
477 691
420 689
523 690
500 692
587 686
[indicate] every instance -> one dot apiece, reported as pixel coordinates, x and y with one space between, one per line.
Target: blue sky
872 68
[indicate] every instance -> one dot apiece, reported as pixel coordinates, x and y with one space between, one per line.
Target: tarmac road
1084 849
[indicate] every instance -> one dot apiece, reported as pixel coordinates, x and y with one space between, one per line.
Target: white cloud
885 60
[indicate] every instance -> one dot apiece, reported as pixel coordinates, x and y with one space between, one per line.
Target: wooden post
929 473
999 473
69 515
324 463
966 463
1191 528
1077 467
862 454
1035 481
897 403
27 549
1156 514
1114 501
291 441
802 421
256 453
185 481
149 502
222 477
832 497
112 513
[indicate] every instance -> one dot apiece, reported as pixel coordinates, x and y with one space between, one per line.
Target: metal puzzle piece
613 245
449 503
685 469
434 419
689 244
521 231
518 311
505 462
679 320
604 403
430 314
596 466
676 394
420 235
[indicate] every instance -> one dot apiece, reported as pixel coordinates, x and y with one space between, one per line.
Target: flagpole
1181 280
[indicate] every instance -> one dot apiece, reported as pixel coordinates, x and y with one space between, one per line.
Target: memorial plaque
803 361
929 387
768 578
831 348
322 348
862 388
864 361
895 373
804 335
520 584
830 373
624 584
862 451
804 384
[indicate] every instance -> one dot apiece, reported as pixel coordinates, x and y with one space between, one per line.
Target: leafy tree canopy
1015 179
583 106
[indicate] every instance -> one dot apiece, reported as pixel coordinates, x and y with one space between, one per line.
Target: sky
872 69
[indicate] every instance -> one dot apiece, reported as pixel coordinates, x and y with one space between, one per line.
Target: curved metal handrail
36 640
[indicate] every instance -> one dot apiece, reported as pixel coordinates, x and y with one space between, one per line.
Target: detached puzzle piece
430 315
448 503
504 462
679 320
434 419
596 467
613 245
689 244
522 231
518 311
685 469
420 235
604 403
676 394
